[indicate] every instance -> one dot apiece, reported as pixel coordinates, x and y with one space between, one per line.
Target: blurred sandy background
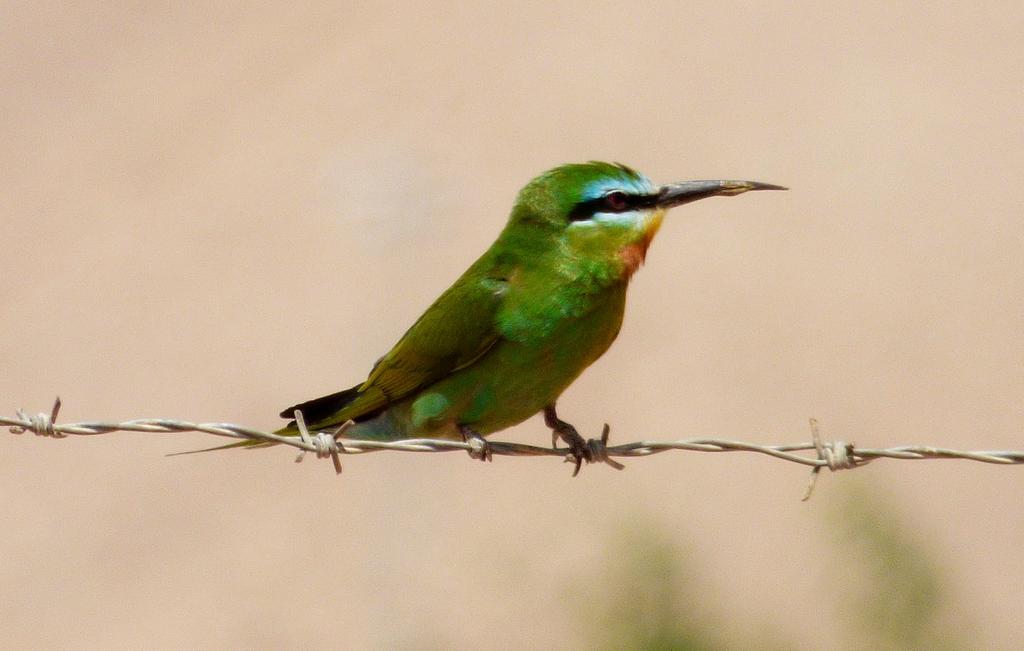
211 214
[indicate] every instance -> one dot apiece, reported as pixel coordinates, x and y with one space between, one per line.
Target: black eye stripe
626 202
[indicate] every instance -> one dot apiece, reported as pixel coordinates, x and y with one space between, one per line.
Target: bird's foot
580 449
479 448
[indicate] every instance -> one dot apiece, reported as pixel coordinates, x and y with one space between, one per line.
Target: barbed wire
833 455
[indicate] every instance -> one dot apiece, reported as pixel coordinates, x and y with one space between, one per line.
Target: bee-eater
536 309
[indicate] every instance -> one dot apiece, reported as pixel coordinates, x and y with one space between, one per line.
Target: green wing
454 332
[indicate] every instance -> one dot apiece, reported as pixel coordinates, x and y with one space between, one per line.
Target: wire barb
41 424
834 455
324 444
599 450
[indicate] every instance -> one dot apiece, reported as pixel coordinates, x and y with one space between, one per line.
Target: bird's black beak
676 194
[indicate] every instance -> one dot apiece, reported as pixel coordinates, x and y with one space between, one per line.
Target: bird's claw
580 449
478 447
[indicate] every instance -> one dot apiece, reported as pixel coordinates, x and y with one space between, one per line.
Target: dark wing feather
320 408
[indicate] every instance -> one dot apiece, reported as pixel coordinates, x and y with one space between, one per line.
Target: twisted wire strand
833 455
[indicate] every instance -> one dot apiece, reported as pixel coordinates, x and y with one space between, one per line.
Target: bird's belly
515 380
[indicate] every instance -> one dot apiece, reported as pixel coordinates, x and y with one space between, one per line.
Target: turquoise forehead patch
639 184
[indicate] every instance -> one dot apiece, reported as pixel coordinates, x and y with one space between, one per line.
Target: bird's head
607 211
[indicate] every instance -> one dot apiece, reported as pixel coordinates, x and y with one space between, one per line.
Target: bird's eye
612 202
615 201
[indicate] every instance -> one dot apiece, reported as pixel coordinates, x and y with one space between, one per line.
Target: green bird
521 324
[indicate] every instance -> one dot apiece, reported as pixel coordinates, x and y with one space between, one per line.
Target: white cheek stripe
631 218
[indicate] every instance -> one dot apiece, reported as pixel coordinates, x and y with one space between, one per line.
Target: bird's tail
289 430
319 413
